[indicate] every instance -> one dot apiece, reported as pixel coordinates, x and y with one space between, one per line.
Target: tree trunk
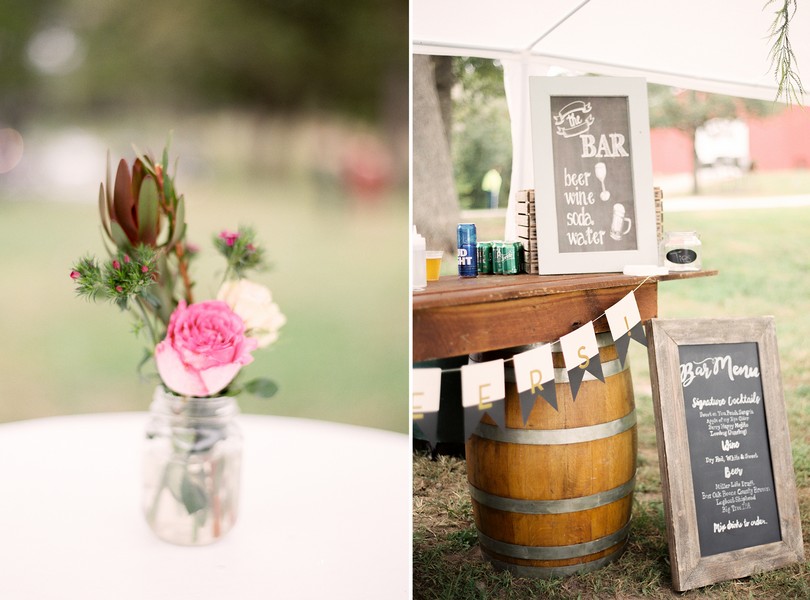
443 72
435 200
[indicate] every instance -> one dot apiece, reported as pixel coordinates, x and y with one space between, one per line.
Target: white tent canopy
718 46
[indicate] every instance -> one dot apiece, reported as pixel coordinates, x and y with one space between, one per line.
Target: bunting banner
625 324
483 387
581 354
534 376
483 391
425 401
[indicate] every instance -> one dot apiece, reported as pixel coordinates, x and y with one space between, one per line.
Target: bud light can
467 250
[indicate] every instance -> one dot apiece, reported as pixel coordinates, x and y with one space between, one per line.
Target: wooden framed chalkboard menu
595 209
724 449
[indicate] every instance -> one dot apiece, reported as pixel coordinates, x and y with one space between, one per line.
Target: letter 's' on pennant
625 323
581 353
534 375
425 402
482 391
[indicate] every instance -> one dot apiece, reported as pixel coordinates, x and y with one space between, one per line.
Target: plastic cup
433 264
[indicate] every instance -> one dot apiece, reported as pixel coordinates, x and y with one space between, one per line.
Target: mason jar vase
191 467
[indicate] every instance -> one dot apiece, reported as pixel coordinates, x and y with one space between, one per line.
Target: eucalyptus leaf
262 387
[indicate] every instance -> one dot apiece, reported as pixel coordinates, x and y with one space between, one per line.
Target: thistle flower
240 250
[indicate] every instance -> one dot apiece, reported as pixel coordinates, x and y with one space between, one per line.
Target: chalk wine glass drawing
600 170
193 447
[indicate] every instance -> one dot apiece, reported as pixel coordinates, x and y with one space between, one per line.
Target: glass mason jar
191 467
681 251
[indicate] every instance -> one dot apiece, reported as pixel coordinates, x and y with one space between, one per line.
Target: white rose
254 303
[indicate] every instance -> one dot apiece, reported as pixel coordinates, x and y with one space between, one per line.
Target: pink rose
204 348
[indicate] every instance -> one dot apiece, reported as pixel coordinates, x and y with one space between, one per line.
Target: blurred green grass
340 273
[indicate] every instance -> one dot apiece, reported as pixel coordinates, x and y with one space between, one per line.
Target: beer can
519 256
484 257
467 250
509 259
497 257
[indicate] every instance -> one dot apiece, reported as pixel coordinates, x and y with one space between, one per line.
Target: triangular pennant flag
482 391
534 375
425 402
575 377
638 334
622 344
428 424
625 323
581 353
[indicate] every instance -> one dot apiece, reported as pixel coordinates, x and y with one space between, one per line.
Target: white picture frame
592 218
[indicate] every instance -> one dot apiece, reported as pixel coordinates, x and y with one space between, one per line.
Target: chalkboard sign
724 449
729 450
593 188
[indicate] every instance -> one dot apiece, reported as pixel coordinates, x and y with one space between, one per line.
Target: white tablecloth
325 513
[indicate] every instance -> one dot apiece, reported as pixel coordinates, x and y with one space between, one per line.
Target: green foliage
686 110
349 56
241 251
261 387
481 138
21 88
783 60
121 279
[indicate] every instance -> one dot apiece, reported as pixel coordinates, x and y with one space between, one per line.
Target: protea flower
143 209
132 211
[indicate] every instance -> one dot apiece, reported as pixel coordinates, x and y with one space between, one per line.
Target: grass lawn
340 275
764 269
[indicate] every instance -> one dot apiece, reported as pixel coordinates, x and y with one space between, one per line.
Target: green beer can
510 261
485 257
497 257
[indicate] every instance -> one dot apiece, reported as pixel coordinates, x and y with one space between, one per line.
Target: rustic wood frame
689 568
552 261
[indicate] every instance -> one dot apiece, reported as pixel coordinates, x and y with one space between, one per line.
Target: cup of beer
433 263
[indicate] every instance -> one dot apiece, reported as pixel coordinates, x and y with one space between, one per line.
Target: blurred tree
286 55
435 203
688 110
482 138
18 81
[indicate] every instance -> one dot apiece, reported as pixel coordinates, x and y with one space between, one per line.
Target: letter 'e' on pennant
482 391
625 323
425 399
534 375
581 353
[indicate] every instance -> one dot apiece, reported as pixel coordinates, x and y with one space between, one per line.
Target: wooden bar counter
456 316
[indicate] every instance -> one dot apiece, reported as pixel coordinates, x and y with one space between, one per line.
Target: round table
325 513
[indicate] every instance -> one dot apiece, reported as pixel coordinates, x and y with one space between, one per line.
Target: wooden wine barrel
554 497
